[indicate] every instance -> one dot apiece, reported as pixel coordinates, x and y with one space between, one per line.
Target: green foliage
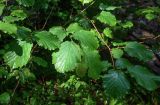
59 32
47 40
78 52
87 39
107 18
143 77
117 53
139 51
8 28
20 56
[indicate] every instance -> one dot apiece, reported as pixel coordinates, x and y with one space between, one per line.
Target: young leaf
59 32
144 78
139 51
108 33
67 58
115 84
107 18
117 53
87 39
74 27
8 28
15 60
47 40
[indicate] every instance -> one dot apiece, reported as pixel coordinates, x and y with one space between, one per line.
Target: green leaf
87 39
81 69
23 33
128 24
122 63
139 51
8 28
117 53
59 32
47 40
107 18
144 77
92 60
108 8
74 27
40 61
4 98
15 59
108 33
20 14
10 19
115 84
85 1
26 3
1 8
67 58
150 16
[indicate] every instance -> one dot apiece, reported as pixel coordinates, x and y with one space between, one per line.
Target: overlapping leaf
139 51
47 40
87 39
92 60
59 32
8 28
14 59
144 78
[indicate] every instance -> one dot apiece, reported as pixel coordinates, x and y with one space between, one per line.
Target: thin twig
14 92
79 13
100 36
48 18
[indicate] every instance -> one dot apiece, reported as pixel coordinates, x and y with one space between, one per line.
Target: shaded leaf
1 8
14 59
138 50
144 77
40 61
122 63
4 98
92 60
26 3
115 84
